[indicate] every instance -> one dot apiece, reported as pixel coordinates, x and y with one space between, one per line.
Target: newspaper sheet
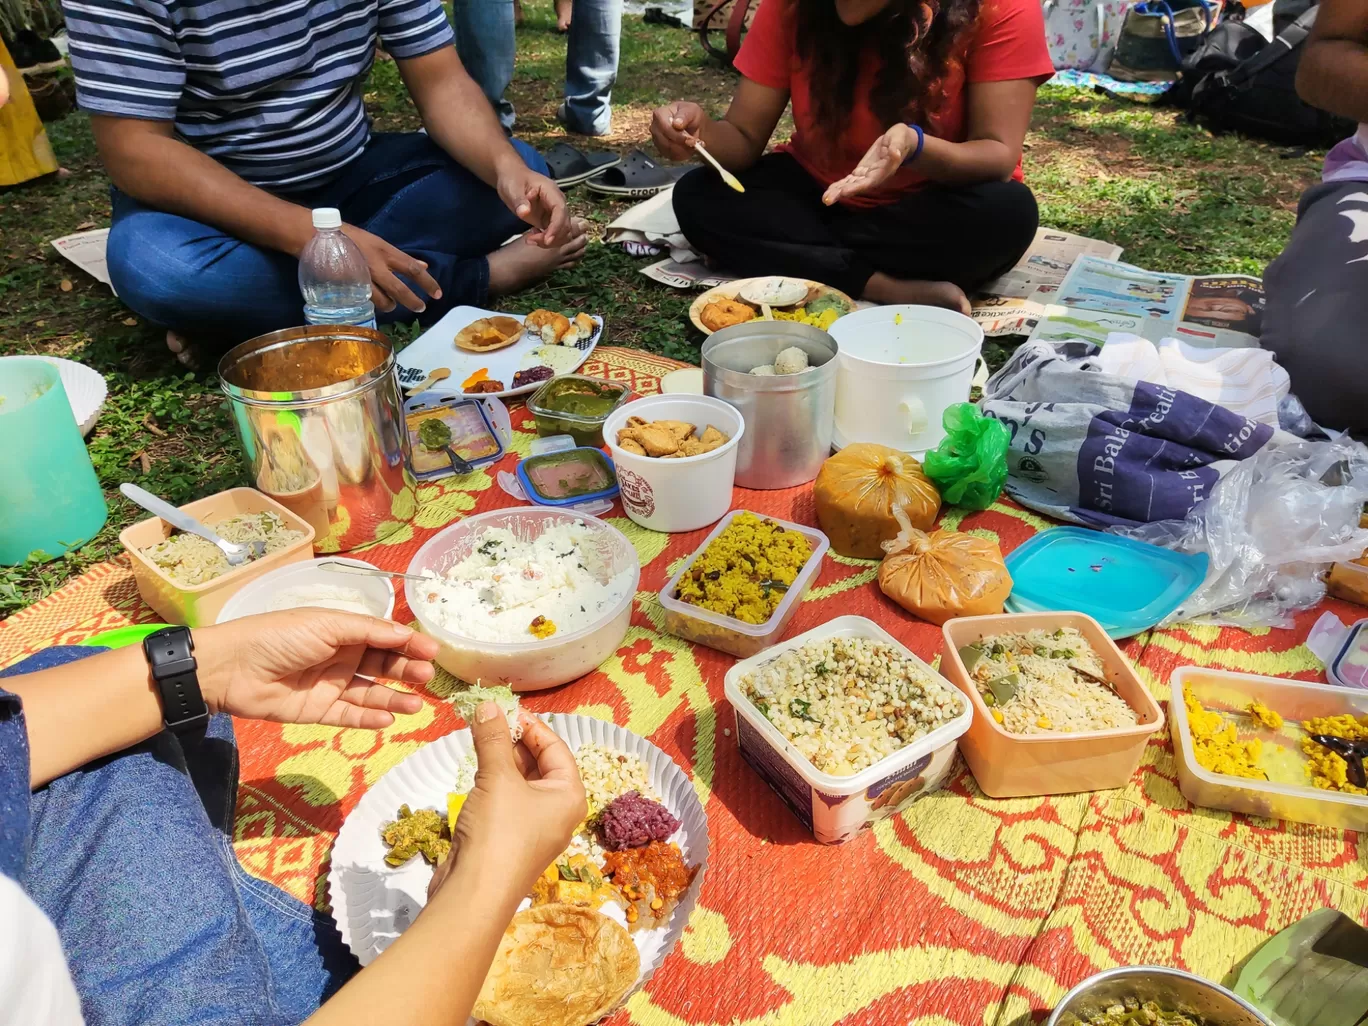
1012 304
1210 311
693 275
87 251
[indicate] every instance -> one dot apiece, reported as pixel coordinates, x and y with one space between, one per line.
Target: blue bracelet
921 141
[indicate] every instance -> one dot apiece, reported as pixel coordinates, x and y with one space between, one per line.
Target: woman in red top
902 182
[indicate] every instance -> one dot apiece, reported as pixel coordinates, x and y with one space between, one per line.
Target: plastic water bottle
333 276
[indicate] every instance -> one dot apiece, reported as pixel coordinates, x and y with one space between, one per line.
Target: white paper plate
436 347
373 903
85 388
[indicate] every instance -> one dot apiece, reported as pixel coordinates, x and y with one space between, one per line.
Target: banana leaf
1314 973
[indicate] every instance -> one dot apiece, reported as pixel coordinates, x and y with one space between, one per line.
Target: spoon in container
333 566
235 553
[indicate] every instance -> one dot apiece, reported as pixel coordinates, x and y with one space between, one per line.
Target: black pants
1314 314
966 234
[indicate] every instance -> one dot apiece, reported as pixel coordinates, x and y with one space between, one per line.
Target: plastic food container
198 605
725 633
256 597
1349 668
1229 692
1348 581
835 808
527 665
1019 765
684 494
557 412
569 477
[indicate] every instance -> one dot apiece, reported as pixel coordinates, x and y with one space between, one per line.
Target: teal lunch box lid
1127 586
553 478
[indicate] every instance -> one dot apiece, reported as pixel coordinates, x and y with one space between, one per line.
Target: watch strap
170 657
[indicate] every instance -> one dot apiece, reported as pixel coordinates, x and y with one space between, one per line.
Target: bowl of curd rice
310 584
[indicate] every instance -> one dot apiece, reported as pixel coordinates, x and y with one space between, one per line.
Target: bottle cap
327 217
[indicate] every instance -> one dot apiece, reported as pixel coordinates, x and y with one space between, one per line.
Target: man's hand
386 263
537 200
675 128
312 666
879 164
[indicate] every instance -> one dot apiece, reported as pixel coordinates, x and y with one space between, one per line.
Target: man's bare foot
883 289
563 15
517 265
180 345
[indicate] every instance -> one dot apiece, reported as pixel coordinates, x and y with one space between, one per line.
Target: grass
1175 197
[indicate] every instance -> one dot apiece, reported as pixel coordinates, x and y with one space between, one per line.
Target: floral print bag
1082 33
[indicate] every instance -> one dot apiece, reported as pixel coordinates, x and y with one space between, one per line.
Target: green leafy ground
1175 197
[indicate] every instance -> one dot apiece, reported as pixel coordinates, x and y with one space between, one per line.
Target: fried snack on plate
723 313
488 334
547 325
582 328
557 965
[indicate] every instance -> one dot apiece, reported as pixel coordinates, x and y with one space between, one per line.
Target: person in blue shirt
222 122
122 901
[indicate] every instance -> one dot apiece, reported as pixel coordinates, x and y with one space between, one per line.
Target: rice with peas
190 559
1059 683
846 703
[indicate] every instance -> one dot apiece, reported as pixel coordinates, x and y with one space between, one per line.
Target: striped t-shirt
271 90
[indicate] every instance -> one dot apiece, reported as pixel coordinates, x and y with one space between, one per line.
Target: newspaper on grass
1012 304
87 251
1214 311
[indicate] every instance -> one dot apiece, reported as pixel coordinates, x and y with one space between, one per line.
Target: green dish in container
576 405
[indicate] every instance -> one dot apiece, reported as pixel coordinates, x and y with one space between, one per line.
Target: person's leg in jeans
487 44
196 280
1313 314
424 203
159 922
591 66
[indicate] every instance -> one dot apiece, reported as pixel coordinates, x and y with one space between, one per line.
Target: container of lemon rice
1231 695
728 633
834 804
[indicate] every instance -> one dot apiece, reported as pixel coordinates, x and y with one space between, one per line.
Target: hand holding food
675 127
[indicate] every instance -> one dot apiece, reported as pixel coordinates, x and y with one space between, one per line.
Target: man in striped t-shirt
222 122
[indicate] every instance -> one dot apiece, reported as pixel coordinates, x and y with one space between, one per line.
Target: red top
1007 44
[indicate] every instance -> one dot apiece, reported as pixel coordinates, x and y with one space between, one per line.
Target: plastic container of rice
198 605
1008 765
726 633
835 808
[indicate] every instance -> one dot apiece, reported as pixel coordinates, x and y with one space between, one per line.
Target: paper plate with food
783 299
480 352
613 905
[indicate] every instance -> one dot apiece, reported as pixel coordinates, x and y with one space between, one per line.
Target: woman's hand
312 666
524 806
386 263
675 129
535 199
879 164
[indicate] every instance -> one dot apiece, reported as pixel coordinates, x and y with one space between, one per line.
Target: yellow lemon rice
1329 771
747 569
1217 744
1263 716
823 320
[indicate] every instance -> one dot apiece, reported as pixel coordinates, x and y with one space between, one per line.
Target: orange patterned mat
963 910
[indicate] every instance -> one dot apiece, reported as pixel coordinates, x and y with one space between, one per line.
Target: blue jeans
404 188
131 858
487 47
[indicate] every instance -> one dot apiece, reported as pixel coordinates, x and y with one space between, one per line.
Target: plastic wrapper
1271 529
857 490
970 465
945 574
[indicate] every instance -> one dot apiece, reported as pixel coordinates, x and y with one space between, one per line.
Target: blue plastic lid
1126 586
590 462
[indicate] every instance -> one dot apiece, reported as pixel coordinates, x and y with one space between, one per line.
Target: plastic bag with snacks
944 574
857 490
970 465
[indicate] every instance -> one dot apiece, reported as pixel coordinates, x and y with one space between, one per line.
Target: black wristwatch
170 655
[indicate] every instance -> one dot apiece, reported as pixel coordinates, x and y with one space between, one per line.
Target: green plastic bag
970 465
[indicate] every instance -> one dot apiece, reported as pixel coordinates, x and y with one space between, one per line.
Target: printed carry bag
1118 451
721 25
1082 34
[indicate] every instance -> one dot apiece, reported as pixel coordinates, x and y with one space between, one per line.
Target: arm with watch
997 115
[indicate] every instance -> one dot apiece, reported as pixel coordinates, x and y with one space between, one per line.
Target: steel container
1172 989
789 417
321 422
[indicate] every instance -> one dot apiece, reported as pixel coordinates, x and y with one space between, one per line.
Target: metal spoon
235 553
333 566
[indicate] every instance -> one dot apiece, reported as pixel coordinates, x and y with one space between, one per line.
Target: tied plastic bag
970 465
942 575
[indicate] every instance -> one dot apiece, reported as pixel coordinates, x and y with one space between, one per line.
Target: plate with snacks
788 299
480 352
628 881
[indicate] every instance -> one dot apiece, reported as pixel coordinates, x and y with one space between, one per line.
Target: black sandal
636 177
570 166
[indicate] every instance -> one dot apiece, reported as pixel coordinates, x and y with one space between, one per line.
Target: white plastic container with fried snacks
836 808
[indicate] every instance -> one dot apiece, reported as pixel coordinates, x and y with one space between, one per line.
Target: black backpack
1237 81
